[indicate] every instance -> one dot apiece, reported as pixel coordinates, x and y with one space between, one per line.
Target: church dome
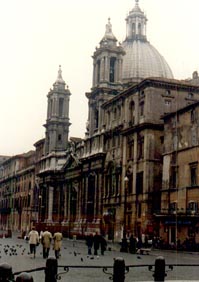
141 59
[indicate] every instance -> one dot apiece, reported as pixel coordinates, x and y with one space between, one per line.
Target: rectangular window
139 183
140 147
167 102
173 207
131 150
192 207
114 141
130 184
190 95
173 177
193 174
141 108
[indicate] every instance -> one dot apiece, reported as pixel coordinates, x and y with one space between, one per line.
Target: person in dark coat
139 245
96 243
132 244
89 243
103 245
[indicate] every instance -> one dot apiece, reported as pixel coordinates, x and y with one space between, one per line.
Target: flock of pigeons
19 249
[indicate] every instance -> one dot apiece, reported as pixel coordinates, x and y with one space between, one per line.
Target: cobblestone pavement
74 253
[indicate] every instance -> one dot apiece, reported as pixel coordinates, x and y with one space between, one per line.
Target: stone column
101 69
94 74
120 70
117 70
50 203
56 106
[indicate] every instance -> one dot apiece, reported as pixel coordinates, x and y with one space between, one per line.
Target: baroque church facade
113 180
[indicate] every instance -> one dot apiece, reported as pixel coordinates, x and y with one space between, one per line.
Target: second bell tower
57 123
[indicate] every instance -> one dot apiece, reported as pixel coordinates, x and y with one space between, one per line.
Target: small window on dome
168 92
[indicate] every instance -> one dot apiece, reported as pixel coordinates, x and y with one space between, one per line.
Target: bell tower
57 122
107 77
107 61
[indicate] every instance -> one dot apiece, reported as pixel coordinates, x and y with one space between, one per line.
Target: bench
143 251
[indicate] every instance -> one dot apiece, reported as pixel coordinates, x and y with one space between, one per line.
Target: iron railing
116 273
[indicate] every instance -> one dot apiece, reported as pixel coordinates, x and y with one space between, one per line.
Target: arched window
133 29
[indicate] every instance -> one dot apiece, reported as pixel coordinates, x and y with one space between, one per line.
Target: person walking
46 241
96 243
33 238
132 244
139 245
89 243
57 237
103 244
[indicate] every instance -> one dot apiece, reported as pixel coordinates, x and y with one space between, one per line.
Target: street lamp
39 208
124 245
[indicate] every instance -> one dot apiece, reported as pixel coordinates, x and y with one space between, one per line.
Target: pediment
72 161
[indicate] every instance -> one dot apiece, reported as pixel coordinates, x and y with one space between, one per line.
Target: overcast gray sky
39 35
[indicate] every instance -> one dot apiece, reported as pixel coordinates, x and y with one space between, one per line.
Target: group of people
45 239
97 242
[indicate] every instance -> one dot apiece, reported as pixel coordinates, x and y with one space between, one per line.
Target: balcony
180 212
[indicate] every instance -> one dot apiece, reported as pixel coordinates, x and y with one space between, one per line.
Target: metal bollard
24 277
51 270
159 273
119 270
5 272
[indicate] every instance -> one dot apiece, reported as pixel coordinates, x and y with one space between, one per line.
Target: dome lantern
141 60
136 24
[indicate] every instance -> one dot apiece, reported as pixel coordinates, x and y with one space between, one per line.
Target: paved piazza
15 252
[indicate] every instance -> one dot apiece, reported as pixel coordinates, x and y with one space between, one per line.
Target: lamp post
124 245
39 210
